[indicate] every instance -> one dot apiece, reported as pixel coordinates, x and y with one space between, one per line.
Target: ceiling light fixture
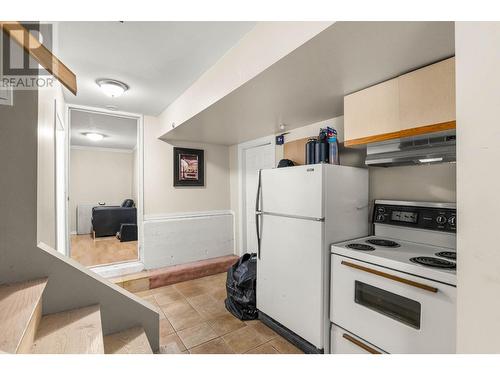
430 160
94 136
112 87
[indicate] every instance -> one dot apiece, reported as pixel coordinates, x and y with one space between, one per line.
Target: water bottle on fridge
333 146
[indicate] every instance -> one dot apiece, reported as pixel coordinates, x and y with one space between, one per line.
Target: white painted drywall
161 197
48 98
428 183
478 186
261 47
97 175
135 175
174 239
179 240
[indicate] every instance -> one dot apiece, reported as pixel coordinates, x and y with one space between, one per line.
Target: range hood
439 147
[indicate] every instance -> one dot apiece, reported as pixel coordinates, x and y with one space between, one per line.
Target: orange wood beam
40 53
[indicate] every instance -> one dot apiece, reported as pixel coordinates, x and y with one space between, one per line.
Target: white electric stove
395 291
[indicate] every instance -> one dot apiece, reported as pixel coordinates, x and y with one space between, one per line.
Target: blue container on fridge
333 149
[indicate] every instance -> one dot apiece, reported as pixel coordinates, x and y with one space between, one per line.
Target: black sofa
107 220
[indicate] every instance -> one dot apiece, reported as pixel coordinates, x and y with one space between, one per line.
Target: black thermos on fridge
321 152
311 151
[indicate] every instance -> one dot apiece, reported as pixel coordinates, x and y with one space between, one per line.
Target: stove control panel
434 218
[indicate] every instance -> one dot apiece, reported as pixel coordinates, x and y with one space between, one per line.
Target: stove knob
441 219
380 217
452 221
381 210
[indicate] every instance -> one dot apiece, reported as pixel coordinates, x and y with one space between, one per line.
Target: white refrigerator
300 211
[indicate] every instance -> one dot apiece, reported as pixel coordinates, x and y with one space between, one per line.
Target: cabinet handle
362 345
391 277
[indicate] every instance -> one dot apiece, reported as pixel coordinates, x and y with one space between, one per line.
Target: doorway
105 187
253 156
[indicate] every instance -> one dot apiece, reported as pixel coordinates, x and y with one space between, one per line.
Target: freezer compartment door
295 191
290 282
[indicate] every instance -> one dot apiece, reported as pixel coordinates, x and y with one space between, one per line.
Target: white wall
478 185
48 99
160 195
184 224
261 47
135 175
97 175
428 183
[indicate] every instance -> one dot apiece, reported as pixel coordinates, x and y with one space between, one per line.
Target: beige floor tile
243 339
190 288
182 315
176 308
208 306
216 346
172 344
165 329
196 335
284 347
263 349
219 294
167 296
262 329
225 324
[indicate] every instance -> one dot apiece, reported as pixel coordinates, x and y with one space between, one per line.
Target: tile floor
193 320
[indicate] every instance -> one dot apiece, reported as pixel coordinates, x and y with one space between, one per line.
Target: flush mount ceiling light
94 136
112 87
430 160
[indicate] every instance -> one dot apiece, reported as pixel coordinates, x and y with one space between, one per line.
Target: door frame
60 125
241 216
121 267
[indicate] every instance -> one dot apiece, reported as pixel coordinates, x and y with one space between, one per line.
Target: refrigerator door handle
257 225
258 213
259 187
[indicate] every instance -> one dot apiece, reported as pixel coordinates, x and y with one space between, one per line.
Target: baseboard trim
289 335
181 215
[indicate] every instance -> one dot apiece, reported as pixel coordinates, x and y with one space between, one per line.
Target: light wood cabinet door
372 111
427 95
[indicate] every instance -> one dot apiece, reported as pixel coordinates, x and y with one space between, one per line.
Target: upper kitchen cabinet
427 95
419 102
372 111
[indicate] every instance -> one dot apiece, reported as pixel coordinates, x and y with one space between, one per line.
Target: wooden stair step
76 331
130 341
20 313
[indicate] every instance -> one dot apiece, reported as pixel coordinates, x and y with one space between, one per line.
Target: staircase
79 331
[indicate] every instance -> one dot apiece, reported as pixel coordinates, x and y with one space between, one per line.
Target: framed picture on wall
189 167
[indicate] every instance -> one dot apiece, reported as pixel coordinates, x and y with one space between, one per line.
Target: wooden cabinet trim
402 134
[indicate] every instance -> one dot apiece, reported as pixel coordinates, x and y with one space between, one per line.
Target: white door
254 158
295 191
290 271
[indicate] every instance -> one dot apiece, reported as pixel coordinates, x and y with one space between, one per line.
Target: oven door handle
362 345
391 277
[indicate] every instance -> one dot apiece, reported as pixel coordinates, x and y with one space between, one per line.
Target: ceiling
119 132
309 84
158 60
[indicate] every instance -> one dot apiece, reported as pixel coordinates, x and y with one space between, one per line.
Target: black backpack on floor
241 286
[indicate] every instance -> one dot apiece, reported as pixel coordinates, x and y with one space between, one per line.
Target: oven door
396 311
